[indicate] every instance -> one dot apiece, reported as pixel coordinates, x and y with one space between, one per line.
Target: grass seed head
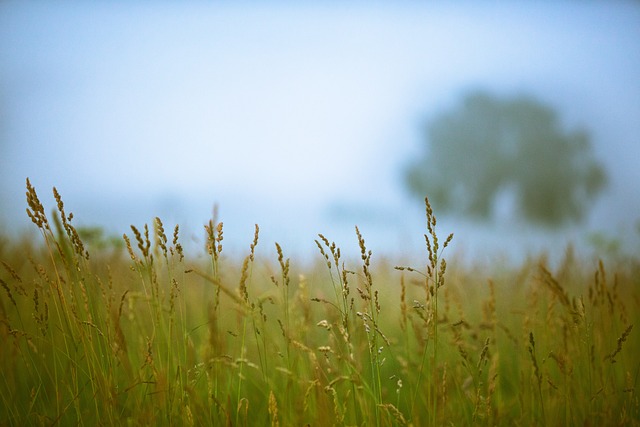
612 357
35 211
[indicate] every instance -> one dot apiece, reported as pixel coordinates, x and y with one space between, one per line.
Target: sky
298 116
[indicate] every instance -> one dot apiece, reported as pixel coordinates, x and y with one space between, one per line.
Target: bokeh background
303 116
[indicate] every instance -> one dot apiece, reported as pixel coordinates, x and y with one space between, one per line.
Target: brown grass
141 333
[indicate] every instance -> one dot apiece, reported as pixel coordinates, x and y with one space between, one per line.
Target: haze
298 117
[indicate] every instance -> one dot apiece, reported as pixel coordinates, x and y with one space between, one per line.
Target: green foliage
488 145
153 337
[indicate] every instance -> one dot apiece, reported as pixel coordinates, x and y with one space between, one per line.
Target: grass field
135 332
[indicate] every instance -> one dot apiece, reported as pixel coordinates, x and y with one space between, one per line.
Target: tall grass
141 334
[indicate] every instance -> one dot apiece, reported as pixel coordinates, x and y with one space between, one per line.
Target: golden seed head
446 243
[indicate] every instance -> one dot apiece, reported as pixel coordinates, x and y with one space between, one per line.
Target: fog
300 117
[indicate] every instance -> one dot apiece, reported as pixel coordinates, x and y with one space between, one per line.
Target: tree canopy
489 145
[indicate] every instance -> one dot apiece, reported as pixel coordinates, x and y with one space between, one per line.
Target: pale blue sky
287 114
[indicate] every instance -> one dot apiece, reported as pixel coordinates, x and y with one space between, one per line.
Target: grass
138 333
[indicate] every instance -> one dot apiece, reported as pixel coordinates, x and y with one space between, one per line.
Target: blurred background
521 121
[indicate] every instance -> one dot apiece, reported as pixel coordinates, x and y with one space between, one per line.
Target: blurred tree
490 145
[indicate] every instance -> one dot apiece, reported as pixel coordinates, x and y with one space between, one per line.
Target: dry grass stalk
273 410
612 357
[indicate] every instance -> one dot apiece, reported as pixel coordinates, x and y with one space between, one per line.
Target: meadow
136 332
